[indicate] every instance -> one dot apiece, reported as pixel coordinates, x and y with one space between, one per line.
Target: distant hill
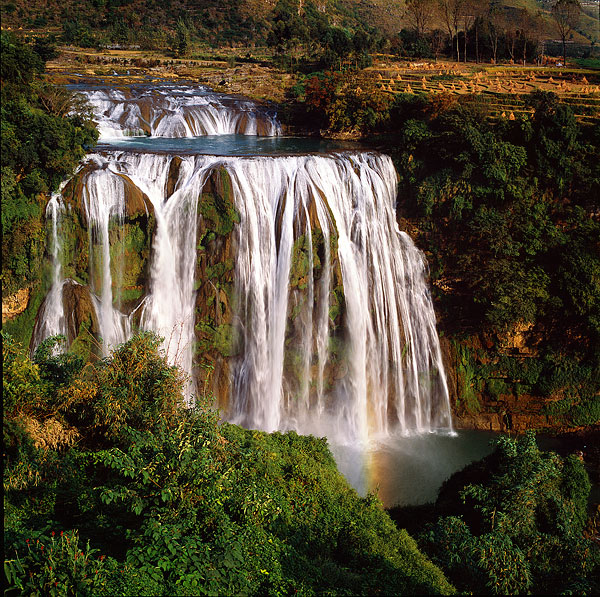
243 21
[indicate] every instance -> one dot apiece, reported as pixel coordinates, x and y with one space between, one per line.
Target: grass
591 63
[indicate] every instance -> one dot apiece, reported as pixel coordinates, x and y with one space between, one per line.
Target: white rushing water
374 370
334 327
169 111
393 378
51 319
103 200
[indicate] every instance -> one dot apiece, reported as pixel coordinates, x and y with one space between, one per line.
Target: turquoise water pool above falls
227 145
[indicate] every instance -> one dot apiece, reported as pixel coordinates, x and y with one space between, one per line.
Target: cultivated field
503 89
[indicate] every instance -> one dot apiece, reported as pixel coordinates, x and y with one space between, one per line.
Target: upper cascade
177 111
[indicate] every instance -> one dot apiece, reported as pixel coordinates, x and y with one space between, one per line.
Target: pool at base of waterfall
409 470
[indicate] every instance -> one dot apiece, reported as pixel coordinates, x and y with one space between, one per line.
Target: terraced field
502 89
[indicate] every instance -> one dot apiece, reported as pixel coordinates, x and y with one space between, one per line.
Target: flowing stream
176 111
332 317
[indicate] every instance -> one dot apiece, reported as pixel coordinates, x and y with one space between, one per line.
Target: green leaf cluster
176 501
42 142
302 35
509 206
513 523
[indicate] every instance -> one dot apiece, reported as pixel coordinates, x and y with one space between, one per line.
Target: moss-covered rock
216 342
130 244
79 307
130 240
75 248
217 205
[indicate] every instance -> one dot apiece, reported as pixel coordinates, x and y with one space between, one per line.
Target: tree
452 11
420 13
438 41
495 19
516 519
288 28
42 142
182 38
566 14
470 8
529 31
339 45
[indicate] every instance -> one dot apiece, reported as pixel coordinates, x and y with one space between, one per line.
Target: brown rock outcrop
79 307
14 305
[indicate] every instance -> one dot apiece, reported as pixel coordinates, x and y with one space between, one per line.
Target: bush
522 514
180 503
42 144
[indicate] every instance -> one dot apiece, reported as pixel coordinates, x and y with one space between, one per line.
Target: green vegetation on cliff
112 489
506 210
42 143
507 213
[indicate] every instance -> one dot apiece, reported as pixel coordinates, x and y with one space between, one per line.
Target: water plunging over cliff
286 275
51 318
332 318
169 111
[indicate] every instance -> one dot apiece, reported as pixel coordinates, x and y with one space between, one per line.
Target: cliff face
130 238
497 381
214 325
218 341
505 383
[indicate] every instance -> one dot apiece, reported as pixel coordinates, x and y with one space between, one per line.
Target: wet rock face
135 200
79 309
130 244
218 339
215 332
130 239
173 175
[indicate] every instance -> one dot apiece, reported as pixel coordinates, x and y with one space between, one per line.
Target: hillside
243 21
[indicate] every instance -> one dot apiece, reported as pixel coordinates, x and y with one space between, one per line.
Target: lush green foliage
302 30
513 524
516 197
506 214
42 143
334 101
292 28
158 500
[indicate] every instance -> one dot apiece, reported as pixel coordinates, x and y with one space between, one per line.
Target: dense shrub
155 499
514 522
42 142
506 214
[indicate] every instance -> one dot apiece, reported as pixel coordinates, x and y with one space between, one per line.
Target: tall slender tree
469 15
495 19
566 14
529 30
452 11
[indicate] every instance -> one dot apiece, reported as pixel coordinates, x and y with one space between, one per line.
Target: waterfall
103 201
51 319
169 111
334 317
327 310
395 378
